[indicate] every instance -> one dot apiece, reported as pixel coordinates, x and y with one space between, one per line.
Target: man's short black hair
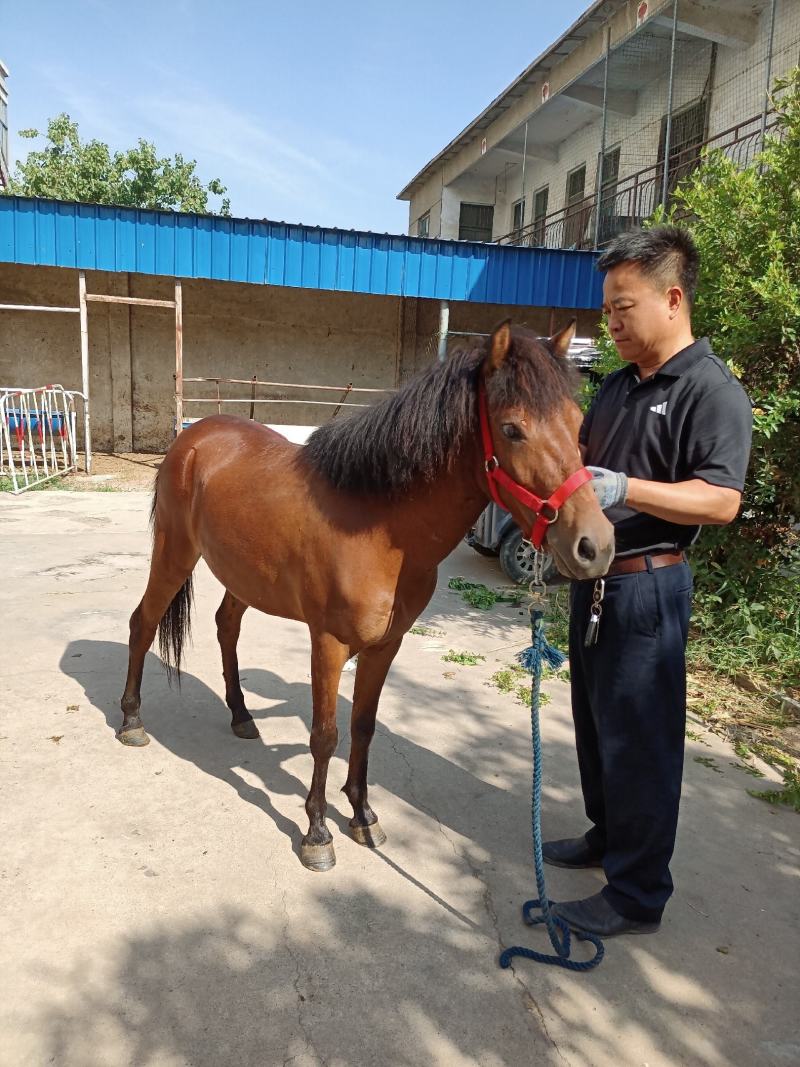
666 254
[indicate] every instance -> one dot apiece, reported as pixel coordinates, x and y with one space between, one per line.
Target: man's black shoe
570 852
594 915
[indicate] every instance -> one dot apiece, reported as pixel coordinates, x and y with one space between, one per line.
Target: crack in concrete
414 796
531 1005
529 1002
301 1000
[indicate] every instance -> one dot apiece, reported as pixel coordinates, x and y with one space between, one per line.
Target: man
668 441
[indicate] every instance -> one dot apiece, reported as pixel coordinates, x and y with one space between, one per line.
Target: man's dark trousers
629 707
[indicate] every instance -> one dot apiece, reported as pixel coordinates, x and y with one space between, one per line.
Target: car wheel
516 559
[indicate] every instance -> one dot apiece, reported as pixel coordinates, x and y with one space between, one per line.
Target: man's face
641 316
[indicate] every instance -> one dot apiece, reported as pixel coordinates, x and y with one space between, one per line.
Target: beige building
4 157
597 110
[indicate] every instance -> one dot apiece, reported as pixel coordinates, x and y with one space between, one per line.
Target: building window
475 222
687 133
576 216
539 214
424 224
576 184
609 176
517 218
610 170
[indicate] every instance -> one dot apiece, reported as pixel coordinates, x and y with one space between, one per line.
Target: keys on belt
632 565
595 611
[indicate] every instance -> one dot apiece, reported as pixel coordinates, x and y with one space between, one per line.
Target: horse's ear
561 341
499 344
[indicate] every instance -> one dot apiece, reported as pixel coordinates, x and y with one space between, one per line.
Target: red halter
546 511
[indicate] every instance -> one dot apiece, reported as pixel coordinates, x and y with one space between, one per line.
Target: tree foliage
746 223
68 168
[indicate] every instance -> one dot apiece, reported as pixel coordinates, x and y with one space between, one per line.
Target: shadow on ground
349 978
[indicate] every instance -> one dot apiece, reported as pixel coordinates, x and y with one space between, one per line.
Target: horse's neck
432 517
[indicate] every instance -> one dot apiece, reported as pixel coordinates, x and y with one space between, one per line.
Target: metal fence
636 197
37 435
347 396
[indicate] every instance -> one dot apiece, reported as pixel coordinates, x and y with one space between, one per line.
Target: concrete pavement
154 910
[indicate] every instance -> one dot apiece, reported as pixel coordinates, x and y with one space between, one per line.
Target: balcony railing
625 204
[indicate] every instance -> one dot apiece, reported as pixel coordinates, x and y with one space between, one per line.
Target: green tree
746 223
68 168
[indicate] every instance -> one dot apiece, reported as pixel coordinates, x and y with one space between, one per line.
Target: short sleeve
718 432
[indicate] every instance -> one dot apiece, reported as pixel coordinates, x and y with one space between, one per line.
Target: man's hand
610 487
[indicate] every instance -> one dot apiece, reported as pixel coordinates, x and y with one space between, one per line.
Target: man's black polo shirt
692 419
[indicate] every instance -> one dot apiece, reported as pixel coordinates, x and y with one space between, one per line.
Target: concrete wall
741 72
230 330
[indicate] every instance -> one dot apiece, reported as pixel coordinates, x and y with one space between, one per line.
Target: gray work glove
610 487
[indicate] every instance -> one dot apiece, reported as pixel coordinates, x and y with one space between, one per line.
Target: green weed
789 796
693 735
753 771
466 659
708 761
478 595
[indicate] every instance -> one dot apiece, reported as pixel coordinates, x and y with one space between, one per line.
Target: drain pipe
524 158
444 326
668 132
765 108
598 188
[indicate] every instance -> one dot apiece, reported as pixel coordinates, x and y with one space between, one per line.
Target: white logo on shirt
660 409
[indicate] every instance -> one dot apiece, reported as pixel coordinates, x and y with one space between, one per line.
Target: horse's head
533 421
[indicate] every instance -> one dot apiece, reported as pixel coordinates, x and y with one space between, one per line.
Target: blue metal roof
54 233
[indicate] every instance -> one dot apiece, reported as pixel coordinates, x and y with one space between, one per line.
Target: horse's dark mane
415 432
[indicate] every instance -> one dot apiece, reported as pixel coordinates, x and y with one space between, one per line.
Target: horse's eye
511 431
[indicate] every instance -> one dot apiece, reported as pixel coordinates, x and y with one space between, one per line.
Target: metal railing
625 204
346 396
37 435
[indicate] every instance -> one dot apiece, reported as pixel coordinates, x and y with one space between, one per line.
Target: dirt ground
123 471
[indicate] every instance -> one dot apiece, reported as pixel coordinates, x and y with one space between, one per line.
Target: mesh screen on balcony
717 99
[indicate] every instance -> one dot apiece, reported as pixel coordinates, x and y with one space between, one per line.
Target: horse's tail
176 622
175 627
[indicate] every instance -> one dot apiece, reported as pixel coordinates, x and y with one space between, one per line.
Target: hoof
317 857
136 738
371 836
246 729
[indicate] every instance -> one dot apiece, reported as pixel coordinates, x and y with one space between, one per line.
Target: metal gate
37 435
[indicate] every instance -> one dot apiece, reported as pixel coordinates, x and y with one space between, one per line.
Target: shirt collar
679 363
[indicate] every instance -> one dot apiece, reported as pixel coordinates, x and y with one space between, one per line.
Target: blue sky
309 112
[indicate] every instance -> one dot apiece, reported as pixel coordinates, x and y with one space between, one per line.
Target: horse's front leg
328 656
373 666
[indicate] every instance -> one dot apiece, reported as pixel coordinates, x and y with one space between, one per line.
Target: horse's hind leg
229 624
170 570
373 666
328 656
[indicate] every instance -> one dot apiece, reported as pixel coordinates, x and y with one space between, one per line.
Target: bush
746 223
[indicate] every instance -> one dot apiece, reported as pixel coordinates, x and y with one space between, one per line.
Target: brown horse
346 532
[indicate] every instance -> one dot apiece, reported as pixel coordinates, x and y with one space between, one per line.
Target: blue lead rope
542 651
